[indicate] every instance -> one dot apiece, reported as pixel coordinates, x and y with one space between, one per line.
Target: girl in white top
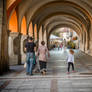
70 60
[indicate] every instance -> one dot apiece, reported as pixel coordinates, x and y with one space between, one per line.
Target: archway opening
23 26
30 32
64 38
13 23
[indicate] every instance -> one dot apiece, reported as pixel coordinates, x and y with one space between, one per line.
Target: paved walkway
56 80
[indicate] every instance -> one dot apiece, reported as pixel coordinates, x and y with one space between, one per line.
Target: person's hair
30 38
71 51
43 43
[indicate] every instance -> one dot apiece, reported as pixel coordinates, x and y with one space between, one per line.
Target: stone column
89 39
1 16
13 58
48 41
37 44
90 48
23 55
84 41
19 48
43 32
87 42
35 32
1 19
40 35
45 37
4 66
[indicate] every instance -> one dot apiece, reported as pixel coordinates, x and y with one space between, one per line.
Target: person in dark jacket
30 48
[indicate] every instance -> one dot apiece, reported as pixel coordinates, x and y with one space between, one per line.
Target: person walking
70 60
58 47
61 46
30 47
42 51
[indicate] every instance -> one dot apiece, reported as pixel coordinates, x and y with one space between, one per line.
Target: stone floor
56 80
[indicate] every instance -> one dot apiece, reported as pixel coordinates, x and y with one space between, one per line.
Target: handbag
25 64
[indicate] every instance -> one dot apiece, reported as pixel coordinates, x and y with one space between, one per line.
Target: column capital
24 36
13 34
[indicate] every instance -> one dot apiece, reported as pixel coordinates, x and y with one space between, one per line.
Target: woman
42 51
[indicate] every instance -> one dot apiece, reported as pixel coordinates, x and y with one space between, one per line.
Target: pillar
13 58
35 32
1 20
40 35
45 37
4 66
87 42
23 55
18 40
89 39
90 48
84 41
43 32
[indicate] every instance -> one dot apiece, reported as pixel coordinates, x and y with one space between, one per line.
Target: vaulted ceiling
76 14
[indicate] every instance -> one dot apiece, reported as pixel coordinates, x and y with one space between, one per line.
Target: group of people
60 46
32 53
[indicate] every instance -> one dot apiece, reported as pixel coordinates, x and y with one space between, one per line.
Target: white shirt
70 58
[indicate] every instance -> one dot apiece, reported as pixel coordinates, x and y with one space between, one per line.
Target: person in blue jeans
30 48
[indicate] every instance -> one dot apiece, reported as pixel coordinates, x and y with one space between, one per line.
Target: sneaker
30 74
73 71
68 72
44 73
27 73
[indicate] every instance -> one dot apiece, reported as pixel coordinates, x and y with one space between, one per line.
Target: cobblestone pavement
56 80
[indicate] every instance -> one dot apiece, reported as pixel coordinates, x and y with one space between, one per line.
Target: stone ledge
13 34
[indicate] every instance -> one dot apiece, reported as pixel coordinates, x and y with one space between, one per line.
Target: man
30 48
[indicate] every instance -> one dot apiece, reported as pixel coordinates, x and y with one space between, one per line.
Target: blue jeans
29 62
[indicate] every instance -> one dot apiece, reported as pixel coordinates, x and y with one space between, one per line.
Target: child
70 60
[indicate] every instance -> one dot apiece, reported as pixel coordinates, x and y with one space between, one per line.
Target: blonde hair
71 51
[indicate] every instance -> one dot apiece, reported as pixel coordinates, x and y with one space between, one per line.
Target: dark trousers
70 64
43 65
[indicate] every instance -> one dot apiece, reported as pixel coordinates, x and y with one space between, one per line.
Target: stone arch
11 4
81 26
42 5
78 8
61 26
